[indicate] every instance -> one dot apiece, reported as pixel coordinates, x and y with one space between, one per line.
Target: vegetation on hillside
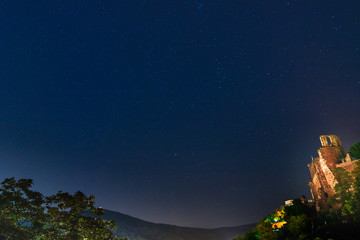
341 221
298 218
28 215
351 206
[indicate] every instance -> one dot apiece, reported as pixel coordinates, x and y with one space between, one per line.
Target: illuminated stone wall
331 155
347 164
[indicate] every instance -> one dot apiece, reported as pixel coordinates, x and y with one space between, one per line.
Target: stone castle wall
331 155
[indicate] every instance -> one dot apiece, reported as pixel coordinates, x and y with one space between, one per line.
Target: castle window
328 140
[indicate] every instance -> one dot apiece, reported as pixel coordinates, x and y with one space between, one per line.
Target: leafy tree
28 215
297 208
356 172
354 150
352 206
297 226
342 188
328 217
21 210
262 231
252 235
265 231
278 215
68 218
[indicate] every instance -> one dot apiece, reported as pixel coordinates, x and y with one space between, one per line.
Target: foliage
21 210
352 206
356 172
350 198
347 191
342 188
297 226
277 216
28 215
354 150
251 235
298 208
302 220
262 231
298 217
328 217
265 230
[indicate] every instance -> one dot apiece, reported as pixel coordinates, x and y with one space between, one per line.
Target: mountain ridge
137 229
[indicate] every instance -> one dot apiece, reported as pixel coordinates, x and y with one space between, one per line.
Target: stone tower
331 155
331 150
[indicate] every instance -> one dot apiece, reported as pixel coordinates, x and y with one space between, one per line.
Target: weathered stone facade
331 155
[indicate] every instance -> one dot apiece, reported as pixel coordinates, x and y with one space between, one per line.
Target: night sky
195 113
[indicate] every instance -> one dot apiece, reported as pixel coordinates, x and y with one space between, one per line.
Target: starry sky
195 113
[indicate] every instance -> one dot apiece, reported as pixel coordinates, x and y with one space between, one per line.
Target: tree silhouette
28 215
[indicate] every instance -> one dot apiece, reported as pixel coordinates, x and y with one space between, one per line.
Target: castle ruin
331 156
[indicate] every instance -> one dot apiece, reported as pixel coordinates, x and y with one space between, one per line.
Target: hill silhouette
137 229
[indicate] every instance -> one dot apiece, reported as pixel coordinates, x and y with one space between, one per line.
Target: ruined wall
315 189
331 155
331 150
320 188
329 179
347 164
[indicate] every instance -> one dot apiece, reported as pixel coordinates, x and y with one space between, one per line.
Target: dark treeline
28 215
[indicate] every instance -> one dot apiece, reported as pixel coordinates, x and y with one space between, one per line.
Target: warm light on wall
278 225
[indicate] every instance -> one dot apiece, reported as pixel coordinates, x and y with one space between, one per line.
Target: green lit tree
265 231
354 150
356 172
342 188
352 205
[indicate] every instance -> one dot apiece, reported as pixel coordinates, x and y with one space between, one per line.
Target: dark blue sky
196 113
